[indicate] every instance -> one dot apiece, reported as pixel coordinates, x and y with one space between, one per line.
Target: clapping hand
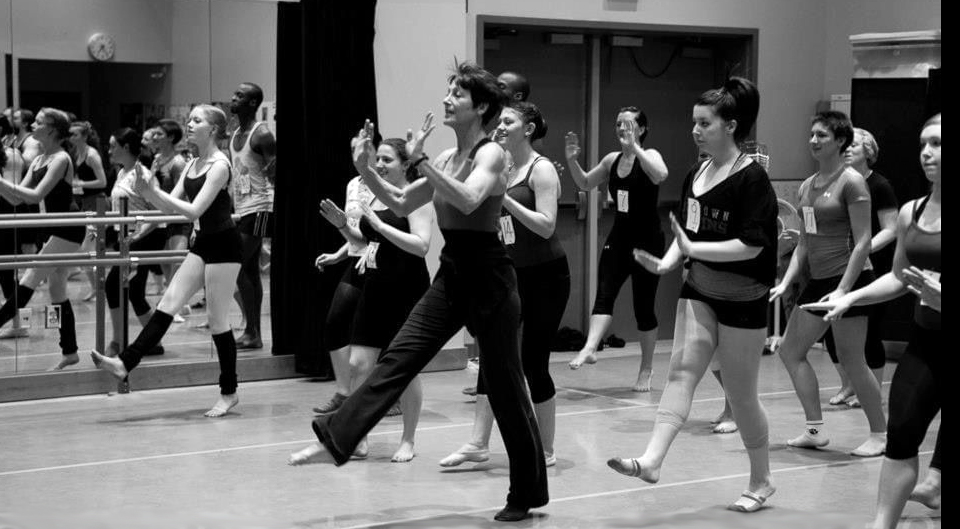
683 242
923 285
415 141
333 213
572 149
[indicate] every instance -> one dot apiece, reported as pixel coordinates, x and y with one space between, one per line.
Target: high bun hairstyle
529 113
738 99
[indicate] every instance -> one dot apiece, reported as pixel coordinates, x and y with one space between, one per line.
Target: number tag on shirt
693 215
371 259
623 201
809 220
507 233
243 184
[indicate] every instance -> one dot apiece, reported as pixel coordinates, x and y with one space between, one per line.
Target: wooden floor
150 459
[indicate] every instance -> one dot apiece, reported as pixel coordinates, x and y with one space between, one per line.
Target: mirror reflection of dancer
213 261
49 183
253 152
527 228
475 286
395 278
919 384
727 234
634 175
167 167
835 244
148 236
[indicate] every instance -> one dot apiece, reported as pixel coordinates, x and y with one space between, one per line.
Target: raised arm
57 168
546 189
650 160
593 178
417 242
217 176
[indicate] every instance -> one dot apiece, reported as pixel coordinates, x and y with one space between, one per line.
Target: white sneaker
810 438
551 459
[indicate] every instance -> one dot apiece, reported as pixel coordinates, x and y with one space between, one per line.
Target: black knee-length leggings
544 290
477 287
616 265
916 394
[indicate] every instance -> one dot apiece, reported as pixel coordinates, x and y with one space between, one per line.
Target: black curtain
325 89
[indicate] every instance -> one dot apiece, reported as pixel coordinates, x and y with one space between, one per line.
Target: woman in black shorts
49 183
213 261
919 385
395 278
726 233
527 228
148 236
476 287
634 175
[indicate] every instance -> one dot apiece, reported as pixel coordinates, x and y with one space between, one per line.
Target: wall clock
101 46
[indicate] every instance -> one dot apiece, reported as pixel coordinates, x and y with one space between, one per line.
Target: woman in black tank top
476 286
48 182
634 175
89 184
920 381
213 262
527 229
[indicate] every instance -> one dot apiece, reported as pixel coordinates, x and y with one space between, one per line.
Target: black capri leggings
916 394
155 240
616 264
544 290
873 348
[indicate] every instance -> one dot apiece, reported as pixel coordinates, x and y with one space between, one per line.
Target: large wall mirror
115 64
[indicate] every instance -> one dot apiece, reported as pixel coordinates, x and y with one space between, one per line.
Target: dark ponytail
738 99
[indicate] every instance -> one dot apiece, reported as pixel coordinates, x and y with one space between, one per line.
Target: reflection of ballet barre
87 256
67 263
33 220
78 214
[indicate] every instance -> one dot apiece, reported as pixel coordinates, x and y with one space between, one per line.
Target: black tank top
923 248
60 198
84 173
529 248
217 217
484 218
640 222
391 260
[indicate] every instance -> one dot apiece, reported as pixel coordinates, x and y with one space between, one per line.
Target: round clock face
101 46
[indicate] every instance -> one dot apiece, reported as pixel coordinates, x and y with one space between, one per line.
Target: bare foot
314 453
403 454
726 426
635 468
223 405
66 361
361 451
644 382
585 356
111 365
928 492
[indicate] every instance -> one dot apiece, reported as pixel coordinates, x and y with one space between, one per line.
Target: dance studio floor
150 459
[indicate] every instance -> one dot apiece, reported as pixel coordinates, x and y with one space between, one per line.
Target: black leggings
916 394
544 290
155 240
873 347
476 287
616 265
249 282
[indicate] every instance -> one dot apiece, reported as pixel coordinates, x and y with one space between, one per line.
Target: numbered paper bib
507 233
809 220
371 257
693 215
243 184
623 201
